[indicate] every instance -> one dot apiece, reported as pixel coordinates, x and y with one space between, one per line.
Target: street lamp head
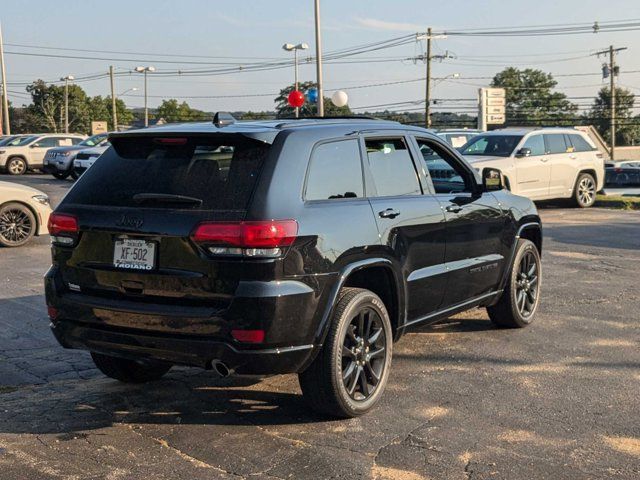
67 78
302 46
456 75
139 69
288 47
145 69
151 69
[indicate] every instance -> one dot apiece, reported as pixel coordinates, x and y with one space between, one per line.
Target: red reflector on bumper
248 336
52 312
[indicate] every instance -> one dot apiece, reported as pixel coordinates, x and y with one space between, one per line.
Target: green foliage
172 111
283 110
627 127
531 100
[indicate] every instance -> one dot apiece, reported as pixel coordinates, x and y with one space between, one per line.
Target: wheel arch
375 274
16 155
590 171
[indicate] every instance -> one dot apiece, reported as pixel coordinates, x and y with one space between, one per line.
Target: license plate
134 254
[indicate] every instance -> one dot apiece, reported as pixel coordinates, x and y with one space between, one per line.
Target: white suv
27 151
541 164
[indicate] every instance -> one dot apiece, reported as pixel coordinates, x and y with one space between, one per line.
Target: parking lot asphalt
465 400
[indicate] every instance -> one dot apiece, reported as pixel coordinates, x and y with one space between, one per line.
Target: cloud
375 24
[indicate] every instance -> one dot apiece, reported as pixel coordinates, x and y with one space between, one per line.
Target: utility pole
611 70
5 101
427 58
427 93
114 113
66 101
319 60
145 70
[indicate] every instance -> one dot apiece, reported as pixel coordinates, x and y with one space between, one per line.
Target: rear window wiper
165 198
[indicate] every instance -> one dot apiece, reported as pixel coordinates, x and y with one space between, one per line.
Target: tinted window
446 174
392 168
535 143
48 142
493 145
580 144
20 141
95 140
220 170
335 171
555 143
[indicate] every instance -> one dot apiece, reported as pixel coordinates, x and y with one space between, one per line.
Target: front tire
349 375
519 302
61 175
584 191
17 225
130 371
16 166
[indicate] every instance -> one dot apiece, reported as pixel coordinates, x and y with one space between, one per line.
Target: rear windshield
211 173
494 145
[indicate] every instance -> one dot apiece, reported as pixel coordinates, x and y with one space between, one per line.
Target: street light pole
66 101
291 47
5 100
145 70
114 111
319 60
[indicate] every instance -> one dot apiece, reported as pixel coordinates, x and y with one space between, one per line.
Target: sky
155 32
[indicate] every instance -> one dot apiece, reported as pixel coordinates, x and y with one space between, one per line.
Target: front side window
335 171
445 172
492 145
392 168
555 143
535 144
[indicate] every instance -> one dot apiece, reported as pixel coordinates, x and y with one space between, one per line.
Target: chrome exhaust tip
220 368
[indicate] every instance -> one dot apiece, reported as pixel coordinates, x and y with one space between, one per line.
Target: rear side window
555 143
580 144
392 168
335 171
535 143
215 173
48 142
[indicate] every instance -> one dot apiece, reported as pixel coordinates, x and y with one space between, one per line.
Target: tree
283 109
172 111
47 108
531 100
627 127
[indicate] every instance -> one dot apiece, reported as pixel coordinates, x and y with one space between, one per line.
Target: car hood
16 191
69 148
95 150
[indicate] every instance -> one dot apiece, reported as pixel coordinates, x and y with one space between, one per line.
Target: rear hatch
137 210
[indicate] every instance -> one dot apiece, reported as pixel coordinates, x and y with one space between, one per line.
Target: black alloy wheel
527 284
364 353
17 225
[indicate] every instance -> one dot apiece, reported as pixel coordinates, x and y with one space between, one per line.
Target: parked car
85 158
24 213
28 151
288 246
457 137
622 174
59 161
8 138
543 163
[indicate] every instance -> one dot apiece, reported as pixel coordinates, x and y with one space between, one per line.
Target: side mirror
523 152
492 179
34 145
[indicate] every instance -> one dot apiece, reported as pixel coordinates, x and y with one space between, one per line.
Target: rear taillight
250 239
248 336
63 229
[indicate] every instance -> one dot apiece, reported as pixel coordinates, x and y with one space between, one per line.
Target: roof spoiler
222 119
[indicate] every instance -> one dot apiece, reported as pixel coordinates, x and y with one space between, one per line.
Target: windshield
20 141
4 141
94 141
492 145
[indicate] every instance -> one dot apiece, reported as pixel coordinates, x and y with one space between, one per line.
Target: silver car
85 158
59 161
28 151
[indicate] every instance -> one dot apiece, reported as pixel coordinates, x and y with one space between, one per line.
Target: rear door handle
453 208
389 213
545 160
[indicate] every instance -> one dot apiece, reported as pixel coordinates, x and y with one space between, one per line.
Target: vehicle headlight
43 199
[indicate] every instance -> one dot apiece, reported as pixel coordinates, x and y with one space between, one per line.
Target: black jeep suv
291 246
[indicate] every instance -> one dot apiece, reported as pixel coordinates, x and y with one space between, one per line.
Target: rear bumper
193 335
192 351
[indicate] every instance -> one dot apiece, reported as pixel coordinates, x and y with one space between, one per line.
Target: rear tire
17 225
130 371
74 175
348 376
584 191
519 302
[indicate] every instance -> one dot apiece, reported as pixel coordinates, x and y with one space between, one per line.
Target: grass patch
621 203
